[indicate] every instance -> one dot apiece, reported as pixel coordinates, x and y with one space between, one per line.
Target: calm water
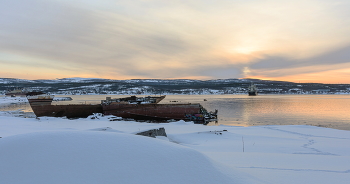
331 111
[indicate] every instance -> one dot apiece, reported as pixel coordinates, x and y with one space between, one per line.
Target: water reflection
25 107
243 110
322 111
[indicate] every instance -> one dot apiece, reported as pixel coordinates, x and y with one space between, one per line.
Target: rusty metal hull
134 100
70 111
40 101
155 111
41 106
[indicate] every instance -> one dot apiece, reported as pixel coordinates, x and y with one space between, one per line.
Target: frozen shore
59 150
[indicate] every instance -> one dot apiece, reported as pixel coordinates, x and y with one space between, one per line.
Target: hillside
163 86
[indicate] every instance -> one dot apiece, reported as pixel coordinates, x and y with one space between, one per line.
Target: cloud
173 39
277 66
43 29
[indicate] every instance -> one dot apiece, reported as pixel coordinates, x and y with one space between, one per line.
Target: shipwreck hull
40 100
134 100
70 111
155 111
41 105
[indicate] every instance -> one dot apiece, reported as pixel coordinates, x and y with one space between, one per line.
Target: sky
298 41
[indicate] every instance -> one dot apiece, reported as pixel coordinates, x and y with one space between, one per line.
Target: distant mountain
167 86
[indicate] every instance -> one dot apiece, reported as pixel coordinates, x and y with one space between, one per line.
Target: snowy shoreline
97 150
83 150
5 100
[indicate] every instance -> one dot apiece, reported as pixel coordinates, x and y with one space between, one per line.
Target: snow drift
101 157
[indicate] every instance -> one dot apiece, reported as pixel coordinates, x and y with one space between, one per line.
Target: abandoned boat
190 112
134 100
41 105
138 108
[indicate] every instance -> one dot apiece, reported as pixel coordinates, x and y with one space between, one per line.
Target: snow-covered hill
164 86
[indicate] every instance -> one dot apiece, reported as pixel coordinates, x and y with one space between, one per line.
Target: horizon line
175 79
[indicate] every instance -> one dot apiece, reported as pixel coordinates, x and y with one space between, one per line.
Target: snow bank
58 150
101 157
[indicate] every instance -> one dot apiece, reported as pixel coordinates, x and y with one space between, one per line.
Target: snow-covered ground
58 150
12 100
5 100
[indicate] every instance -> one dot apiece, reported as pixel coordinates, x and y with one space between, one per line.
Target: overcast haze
300 40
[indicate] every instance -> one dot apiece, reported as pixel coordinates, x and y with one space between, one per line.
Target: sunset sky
299 40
